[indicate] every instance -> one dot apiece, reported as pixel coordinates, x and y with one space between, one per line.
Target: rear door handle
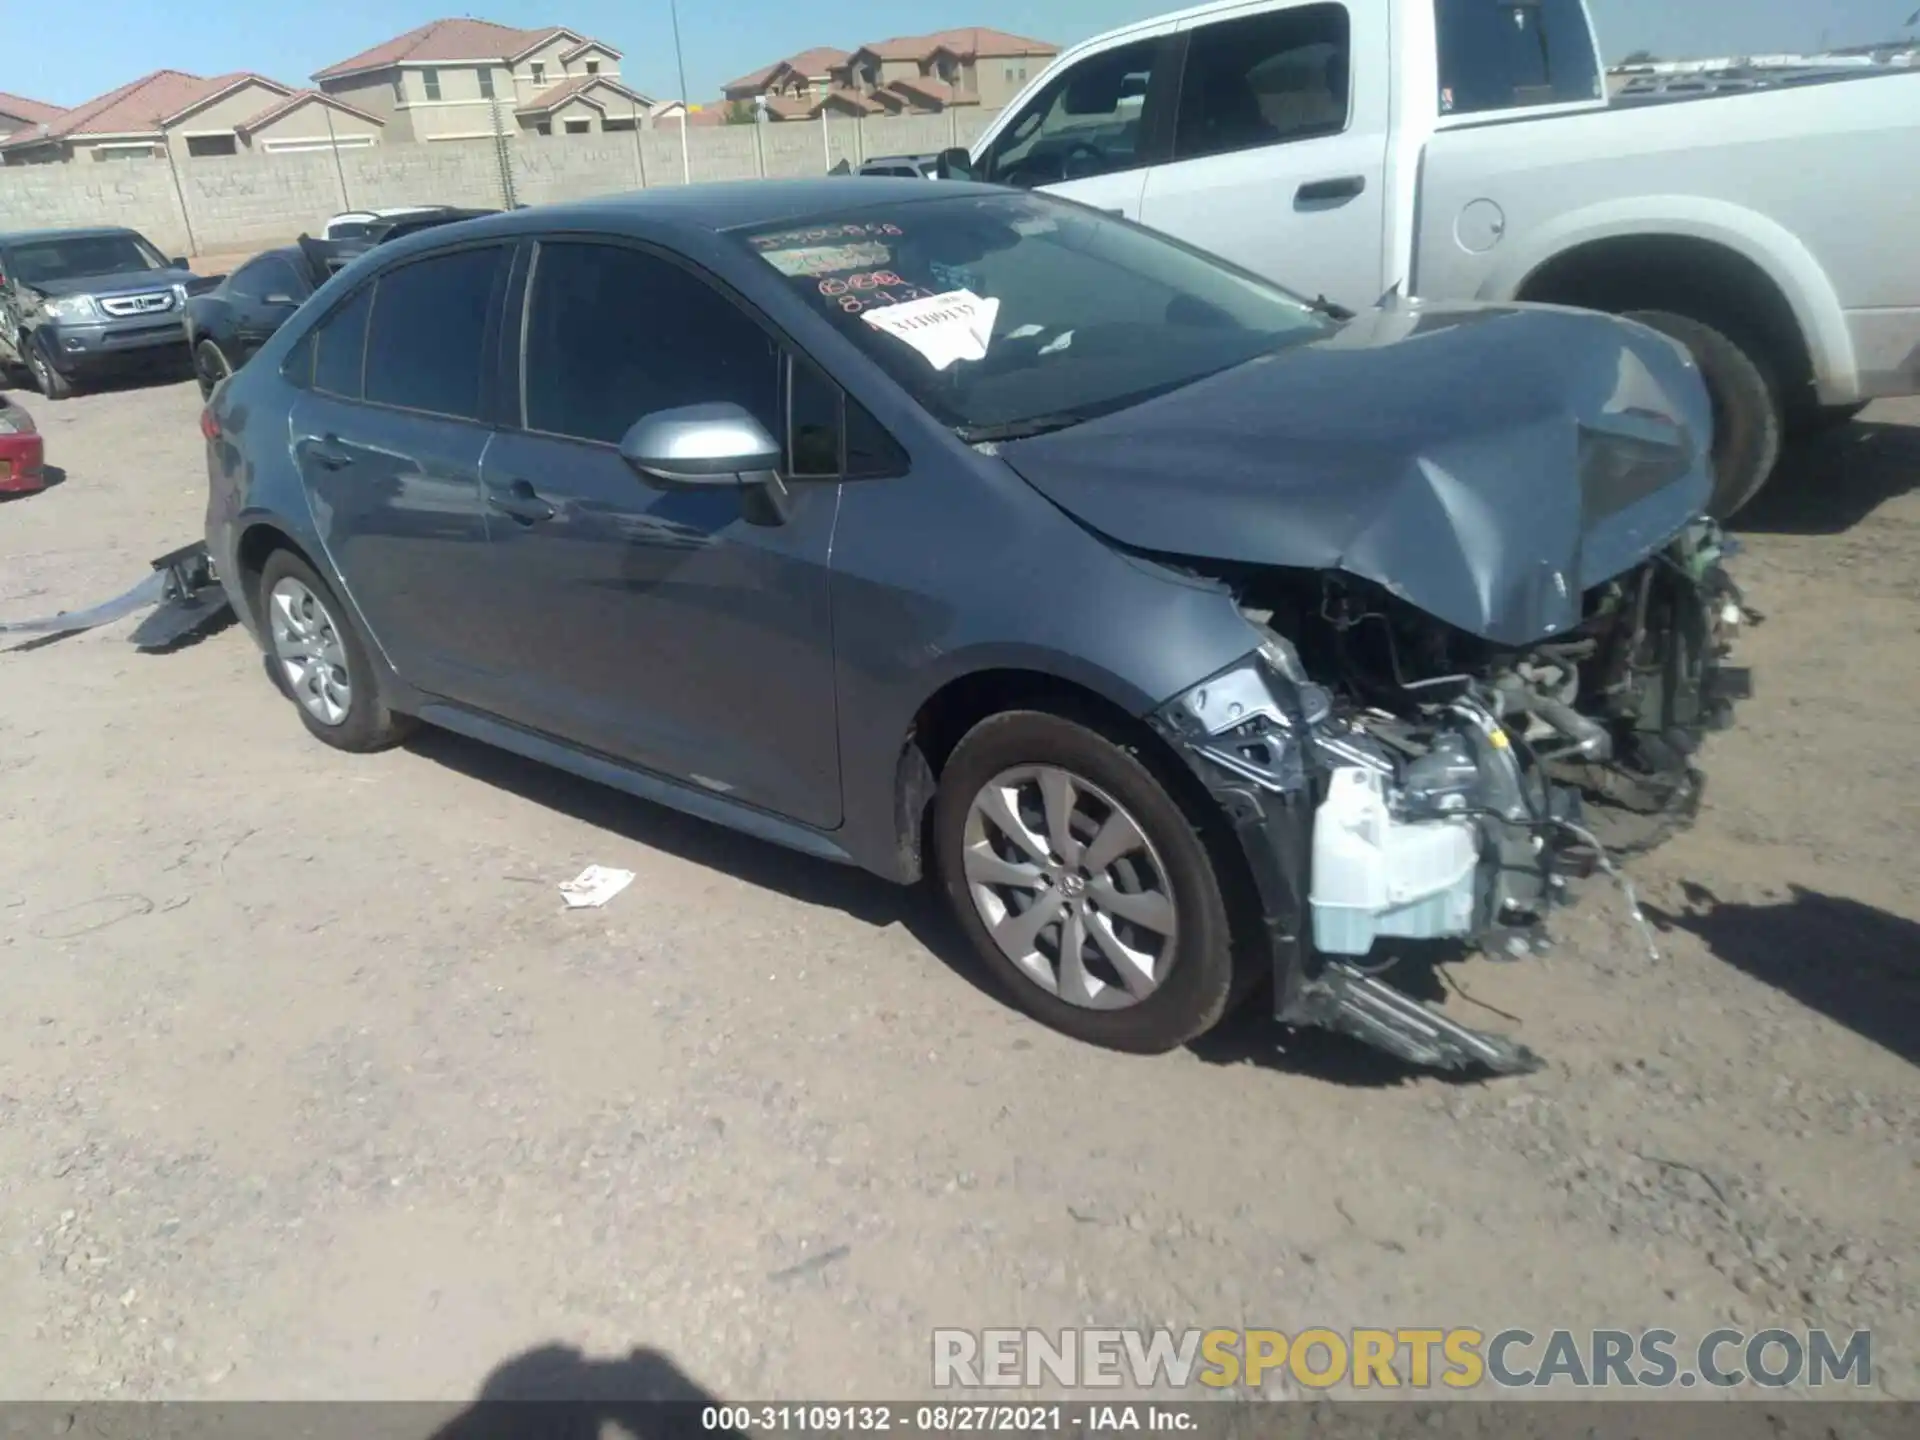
1343 188
519 501
330 454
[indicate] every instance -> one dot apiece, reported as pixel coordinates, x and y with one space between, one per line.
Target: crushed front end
1394 781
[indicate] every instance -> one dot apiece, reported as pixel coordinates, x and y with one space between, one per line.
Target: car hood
129 281
1488 464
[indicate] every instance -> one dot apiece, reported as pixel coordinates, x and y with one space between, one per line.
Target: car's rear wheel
319 661
46 379
1082 884
1748 422
210 367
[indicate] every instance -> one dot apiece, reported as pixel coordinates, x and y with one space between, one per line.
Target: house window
486 82
399 91
593 67
539 72
430 79
199 145
545 127
579 127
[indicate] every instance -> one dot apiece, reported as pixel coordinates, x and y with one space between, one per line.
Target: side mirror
954 164
715 444
179 262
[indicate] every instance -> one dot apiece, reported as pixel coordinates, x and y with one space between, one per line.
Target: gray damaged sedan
1193 640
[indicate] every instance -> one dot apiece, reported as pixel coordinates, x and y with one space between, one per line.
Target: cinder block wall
242 202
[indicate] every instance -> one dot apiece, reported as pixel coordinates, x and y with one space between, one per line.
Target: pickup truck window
1264 80
1086 122
1514 54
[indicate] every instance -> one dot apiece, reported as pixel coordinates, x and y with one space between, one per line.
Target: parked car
910 167
1204 638
76 304
22 452
1465 149
226 324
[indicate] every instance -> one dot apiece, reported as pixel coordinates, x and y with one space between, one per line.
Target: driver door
1092 131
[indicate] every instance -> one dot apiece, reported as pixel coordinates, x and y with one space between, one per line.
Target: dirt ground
309 1086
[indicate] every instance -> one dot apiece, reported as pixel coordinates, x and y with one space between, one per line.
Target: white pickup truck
1465 149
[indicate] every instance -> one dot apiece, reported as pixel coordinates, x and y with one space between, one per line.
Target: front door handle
519 501
1343 188
330 454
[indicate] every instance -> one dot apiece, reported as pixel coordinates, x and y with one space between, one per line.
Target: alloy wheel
306 642
1070 887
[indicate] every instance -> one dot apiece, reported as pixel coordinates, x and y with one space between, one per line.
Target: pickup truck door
1279 145
1092 129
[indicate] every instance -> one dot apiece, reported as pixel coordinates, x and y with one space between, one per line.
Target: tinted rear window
425 348
1502 55
340 351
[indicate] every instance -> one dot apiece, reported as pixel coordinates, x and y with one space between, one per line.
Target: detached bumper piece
183 593
1375 1013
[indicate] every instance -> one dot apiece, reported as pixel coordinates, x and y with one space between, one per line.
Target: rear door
1091 132
389 438
1279 147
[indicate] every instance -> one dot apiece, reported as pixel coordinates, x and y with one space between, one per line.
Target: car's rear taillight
209 423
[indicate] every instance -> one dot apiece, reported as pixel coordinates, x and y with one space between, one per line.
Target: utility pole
680 63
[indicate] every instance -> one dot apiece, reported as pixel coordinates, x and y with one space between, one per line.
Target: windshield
77 256
1012 314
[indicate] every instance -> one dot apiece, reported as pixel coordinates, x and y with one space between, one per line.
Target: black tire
46 379
368 724
210 367
1748 417
1199 985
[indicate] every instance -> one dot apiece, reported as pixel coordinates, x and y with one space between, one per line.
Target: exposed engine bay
1395 780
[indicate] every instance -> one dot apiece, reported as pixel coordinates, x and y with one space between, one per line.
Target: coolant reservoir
1374 876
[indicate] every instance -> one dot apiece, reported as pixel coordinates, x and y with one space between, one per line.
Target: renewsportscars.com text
1411 1358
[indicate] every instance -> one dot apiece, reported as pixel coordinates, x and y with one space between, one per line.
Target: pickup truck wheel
318 661
1747 414
47 380
1082 884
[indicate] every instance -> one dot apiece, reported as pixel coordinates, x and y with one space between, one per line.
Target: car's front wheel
319 661
1082 884
46 379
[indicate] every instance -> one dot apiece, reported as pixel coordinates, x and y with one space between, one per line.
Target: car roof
83 232
716 207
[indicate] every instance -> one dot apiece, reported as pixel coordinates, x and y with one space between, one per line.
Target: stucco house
467 79
171 113
909 74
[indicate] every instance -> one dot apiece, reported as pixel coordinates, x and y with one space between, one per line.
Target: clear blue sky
68 52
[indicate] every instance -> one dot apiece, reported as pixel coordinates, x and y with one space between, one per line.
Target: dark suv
1191 637
79 303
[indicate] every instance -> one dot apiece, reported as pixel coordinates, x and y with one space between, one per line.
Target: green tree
740 112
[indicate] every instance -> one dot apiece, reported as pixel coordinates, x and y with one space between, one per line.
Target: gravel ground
309 1086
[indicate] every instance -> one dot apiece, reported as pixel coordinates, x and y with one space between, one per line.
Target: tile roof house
17 112
915 73
464 79
171 113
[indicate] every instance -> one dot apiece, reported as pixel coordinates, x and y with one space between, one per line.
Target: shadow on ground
558 1393
1829 483
867 898
1857 965
50 476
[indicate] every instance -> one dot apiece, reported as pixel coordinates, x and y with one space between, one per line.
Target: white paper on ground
594 886
956 325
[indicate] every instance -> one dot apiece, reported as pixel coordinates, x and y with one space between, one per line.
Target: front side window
1264 80
1086 122
430 82
614 334
340 348
1509 54
426 342
1013 314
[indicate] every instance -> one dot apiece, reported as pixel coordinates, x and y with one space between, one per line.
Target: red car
22 452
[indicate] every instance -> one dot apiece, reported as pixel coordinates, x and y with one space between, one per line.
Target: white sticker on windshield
944 328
